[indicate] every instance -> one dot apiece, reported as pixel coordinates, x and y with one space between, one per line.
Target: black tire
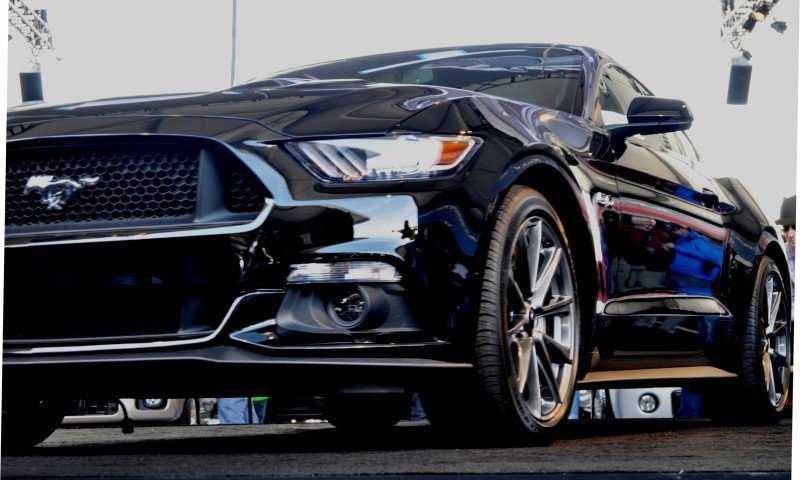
501 405
27 423
365 412
601 405
766 347
186 413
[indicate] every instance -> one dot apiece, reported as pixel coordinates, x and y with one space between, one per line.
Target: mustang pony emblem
56 191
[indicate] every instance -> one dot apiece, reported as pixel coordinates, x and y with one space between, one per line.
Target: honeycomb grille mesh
144 183
244 192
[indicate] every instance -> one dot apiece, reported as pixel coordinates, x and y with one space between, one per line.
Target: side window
667 142
614 96
617 90
688 148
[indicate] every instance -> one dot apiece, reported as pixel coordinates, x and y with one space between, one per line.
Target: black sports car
489 226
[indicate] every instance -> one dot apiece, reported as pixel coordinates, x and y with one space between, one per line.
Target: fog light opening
648 403
349 310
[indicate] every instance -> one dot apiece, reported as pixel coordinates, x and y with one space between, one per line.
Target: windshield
545 76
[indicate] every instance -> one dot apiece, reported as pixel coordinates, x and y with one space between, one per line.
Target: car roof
593 56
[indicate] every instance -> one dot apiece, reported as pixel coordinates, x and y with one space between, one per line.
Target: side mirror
648 115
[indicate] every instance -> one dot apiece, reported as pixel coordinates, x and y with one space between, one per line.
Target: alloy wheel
542 325
776 341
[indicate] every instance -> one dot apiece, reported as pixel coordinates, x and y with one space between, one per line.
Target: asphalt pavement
679 449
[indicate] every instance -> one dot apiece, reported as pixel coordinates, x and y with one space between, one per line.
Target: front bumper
205 309
219 370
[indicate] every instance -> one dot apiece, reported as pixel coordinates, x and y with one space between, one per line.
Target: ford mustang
489 226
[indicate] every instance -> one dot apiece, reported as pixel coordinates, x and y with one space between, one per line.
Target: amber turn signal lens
383 159
452 151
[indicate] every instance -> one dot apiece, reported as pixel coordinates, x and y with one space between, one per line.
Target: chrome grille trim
146 235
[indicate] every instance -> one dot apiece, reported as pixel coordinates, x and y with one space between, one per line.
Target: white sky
119 47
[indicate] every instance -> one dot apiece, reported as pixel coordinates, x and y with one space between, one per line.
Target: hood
287 108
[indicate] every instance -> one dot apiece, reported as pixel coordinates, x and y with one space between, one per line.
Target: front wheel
27 423
527 331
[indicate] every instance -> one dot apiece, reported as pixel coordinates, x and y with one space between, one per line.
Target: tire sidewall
519 205
752 368
28 422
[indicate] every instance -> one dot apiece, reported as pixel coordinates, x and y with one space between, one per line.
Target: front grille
133 183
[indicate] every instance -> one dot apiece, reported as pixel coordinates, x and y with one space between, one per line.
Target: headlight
377 159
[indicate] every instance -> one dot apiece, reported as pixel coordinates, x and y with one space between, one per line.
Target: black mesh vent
244 192
133 183
119 289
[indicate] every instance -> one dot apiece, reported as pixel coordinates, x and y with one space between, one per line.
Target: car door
671 234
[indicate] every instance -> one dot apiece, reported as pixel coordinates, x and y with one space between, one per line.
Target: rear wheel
765 375
27 423
527 331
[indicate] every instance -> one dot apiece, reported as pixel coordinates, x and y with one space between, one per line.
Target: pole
233 43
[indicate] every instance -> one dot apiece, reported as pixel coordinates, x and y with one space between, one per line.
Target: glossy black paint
644 228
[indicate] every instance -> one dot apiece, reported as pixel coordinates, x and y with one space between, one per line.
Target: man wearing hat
787 220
